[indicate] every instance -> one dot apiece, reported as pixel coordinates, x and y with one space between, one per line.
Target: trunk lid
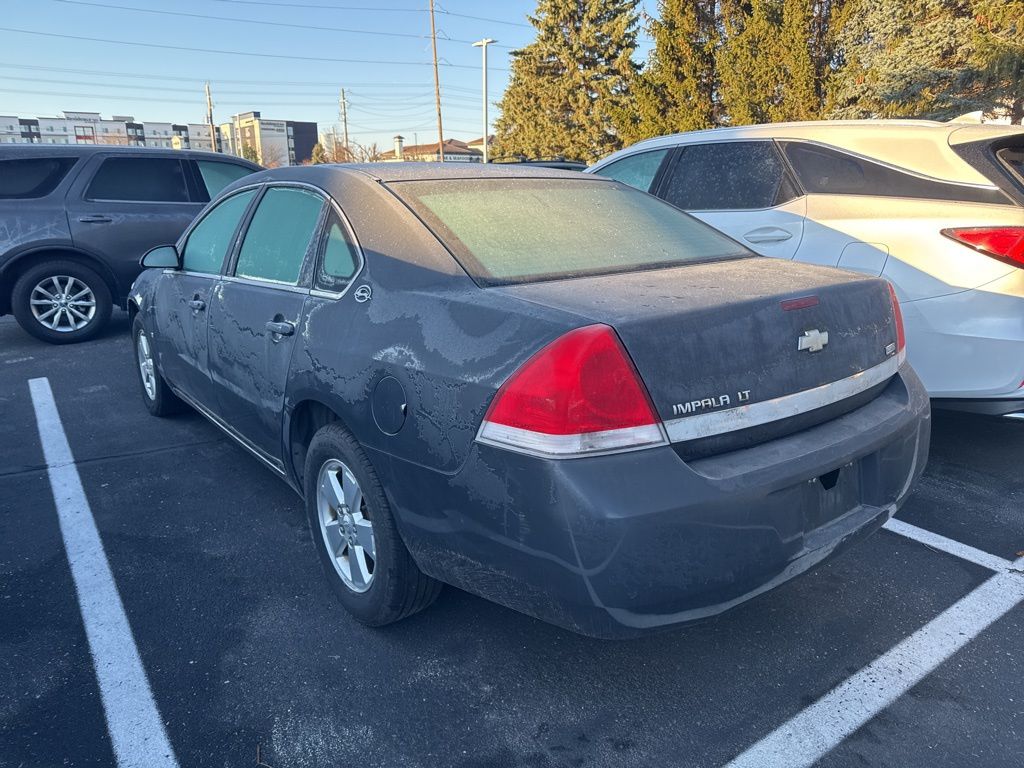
714 336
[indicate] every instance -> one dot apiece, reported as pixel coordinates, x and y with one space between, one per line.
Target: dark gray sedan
549 389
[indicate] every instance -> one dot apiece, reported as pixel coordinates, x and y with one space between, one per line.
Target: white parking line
136 730
821 727
934 540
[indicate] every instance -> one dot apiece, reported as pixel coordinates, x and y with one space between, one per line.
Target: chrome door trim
753 415
270 463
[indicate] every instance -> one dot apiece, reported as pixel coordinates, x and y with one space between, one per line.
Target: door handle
768 235
95 219
198 305
281 328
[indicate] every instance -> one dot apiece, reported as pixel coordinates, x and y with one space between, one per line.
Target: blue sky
379 50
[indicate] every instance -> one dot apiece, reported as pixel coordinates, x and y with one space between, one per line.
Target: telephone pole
437 86
343 105
209 117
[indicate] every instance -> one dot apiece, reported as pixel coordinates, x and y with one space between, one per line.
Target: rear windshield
32 177
506 231
1013 159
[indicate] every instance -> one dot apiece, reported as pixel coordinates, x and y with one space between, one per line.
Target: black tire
21 297
398 588
163 402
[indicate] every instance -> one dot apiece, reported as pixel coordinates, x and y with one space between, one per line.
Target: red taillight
579 394
897 313
1003 243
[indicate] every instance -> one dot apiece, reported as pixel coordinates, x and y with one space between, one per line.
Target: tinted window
216 175
728 176
521 230
826 171
339 261
35 177
636 170
142 179
279 234
211 239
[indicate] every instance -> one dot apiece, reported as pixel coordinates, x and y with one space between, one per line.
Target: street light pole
482 44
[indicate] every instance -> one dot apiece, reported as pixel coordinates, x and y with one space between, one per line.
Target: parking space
247 653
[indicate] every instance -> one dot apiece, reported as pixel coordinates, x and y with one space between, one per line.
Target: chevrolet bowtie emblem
813 341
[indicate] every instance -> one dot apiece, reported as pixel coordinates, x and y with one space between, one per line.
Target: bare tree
272 157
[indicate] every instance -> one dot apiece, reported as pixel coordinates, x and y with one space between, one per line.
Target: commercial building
269 142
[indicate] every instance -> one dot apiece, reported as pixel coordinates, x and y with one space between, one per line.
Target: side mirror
164 256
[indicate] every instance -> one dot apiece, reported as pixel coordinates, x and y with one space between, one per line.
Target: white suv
937 208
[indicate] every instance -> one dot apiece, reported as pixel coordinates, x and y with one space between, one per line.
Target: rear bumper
617 545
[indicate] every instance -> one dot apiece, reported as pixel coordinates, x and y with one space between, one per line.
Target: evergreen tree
998 57
567 85
904 58
677 91
765 64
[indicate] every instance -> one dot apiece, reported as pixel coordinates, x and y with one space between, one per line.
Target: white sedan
936 208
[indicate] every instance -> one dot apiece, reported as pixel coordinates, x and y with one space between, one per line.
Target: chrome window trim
260 283
755 414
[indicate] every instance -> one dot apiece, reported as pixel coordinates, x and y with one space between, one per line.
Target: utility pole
209 117
343 104
437 86
482 44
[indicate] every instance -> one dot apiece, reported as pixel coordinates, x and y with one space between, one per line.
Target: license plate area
832 495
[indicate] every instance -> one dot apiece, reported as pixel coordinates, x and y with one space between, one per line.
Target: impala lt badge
813 341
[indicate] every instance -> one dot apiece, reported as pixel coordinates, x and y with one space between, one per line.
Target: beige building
270 142
455 151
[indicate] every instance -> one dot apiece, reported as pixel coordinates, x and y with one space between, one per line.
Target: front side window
32 177
139 179
339 261
729 176
636 170
209 242
279 235
506 231
217 175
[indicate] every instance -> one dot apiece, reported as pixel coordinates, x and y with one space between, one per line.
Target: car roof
413 171
85 150
922 146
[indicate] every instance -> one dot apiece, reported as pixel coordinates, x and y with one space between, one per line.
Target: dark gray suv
74 221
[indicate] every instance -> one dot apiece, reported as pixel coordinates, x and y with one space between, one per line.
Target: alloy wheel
345 525
62 303
146 368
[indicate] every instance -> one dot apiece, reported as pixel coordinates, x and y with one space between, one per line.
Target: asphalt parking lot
906 651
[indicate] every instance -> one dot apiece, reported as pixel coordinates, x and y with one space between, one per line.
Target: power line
319 28
230 53
183 79
320 6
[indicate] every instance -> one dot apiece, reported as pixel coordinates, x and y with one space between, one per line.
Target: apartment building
92 128
268 142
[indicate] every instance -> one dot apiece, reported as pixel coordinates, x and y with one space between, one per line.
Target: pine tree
567 85
998 57
765 64
904 58
677 89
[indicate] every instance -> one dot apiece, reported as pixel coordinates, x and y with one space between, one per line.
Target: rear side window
339 260
218 175
139 179
506 231
825 171
212 237
636 170
279 235
729 176
32 177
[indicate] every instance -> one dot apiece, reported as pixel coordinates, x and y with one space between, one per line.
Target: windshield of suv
521 230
